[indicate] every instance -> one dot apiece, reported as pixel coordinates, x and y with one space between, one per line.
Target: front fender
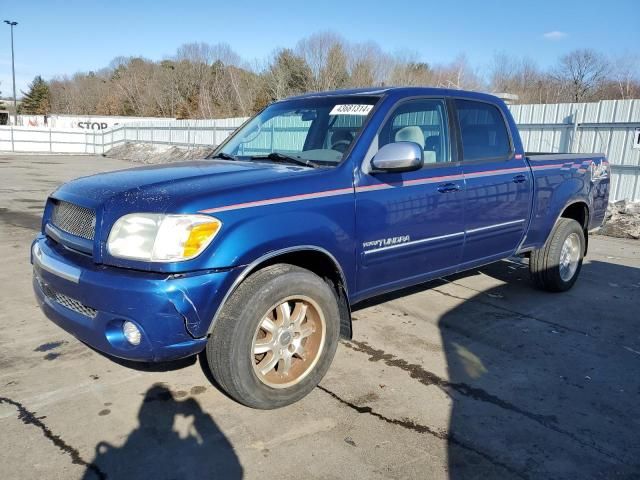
248 234
249 237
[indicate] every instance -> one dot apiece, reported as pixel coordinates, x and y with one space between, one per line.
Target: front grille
67 302
73 219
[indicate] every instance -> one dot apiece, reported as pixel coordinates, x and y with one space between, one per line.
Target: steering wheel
340 145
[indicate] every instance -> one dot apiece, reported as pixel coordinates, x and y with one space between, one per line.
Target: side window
484 133
423 122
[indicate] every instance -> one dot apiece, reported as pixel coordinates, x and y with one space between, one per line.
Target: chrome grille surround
74 219
65 301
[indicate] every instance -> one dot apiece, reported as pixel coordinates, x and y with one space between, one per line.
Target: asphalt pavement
472 376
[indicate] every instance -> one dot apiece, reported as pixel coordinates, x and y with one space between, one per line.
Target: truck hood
160 188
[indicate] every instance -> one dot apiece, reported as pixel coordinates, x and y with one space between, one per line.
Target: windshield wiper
281 157
224 156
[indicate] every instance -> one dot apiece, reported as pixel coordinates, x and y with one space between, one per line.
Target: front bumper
93 301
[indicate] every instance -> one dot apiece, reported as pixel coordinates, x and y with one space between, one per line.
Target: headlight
161 238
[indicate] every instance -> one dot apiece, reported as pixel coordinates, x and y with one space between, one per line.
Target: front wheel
555 267
275 337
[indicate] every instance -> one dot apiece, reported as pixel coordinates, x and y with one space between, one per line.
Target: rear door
498 183
410 225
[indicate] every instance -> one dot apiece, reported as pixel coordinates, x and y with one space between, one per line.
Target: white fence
84 122
49 140
607 127
185 133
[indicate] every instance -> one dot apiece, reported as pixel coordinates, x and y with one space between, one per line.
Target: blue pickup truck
255 256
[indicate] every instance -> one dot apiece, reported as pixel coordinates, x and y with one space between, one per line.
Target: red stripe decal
378 186
273 201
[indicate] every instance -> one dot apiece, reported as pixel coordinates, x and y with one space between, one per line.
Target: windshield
318 130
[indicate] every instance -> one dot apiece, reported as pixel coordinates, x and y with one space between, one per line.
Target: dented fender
197 297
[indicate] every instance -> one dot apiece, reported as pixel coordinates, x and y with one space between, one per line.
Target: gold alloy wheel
288 342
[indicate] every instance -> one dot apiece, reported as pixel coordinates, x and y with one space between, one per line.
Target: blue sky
61 37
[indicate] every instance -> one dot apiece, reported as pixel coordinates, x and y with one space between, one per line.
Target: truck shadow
157 449
541 385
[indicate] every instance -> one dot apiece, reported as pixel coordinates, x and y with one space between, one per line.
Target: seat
432 144
414 134
410 134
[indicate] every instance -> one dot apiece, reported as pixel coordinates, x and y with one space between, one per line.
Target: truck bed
583 177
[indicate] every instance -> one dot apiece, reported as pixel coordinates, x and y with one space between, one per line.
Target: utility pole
13 71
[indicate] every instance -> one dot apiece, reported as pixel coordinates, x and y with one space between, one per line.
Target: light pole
13 71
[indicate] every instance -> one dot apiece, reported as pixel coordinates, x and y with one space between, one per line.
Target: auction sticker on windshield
352 109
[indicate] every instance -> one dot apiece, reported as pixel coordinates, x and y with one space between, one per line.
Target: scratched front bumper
172 312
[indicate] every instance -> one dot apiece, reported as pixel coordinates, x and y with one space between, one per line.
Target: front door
410 224
498 182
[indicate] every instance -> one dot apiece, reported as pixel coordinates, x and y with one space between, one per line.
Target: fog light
131 333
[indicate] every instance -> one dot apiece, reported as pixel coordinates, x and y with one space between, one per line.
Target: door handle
448 187
519 178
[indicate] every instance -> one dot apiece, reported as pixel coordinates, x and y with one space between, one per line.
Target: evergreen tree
37 100
2 105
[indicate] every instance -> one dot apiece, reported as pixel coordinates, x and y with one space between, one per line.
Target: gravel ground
473 376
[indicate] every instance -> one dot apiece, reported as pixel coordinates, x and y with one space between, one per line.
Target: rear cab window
483 131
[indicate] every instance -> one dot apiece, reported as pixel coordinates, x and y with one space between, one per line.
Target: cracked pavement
472 376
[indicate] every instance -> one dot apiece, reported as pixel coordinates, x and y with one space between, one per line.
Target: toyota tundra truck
254 256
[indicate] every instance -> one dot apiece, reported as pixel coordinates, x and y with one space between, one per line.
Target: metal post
13 148
170 134
215 134
13 71
575 131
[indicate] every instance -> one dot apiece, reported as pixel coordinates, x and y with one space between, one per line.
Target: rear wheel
275 337
556 266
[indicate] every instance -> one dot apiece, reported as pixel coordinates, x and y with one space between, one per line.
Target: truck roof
401 92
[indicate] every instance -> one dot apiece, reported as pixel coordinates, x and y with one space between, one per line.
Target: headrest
410 134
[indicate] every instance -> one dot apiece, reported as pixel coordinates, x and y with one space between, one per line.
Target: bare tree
521 76
367 64
580 73
325 54
288 74
207 81
626 75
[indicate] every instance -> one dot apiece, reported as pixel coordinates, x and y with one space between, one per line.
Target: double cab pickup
254 257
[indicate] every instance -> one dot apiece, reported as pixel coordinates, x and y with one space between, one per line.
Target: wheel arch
313 258
579 211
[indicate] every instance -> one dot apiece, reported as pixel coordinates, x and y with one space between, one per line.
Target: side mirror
398 157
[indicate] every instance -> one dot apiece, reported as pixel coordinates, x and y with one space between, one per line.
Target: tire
263 300
548 270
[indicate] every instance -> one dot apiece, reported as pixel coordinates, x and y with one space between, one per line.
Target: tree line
212 81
